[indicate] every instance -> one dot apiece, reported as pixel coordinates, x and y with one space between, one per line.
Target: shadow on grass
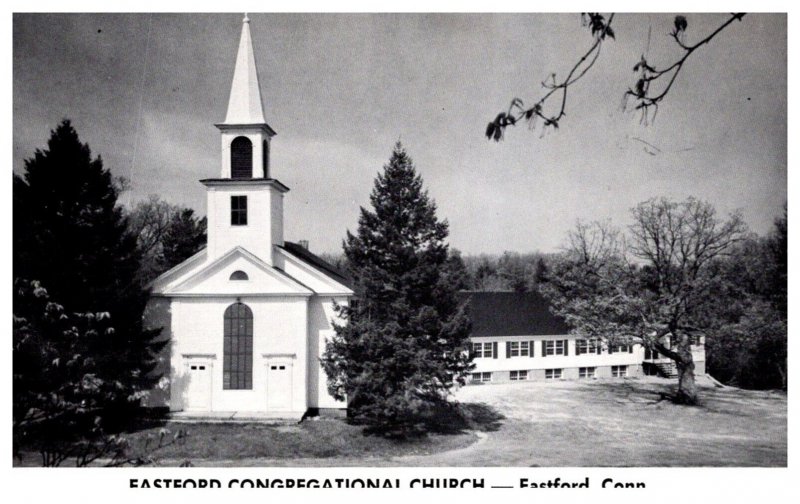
145 420
457 418
446 419
636 392
729 401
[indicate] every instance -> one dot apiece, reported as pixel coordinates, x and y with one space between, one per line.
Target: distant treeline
509 271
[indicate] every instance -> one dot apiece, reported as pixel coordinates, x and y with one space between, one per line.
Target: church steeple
246 136
245 105
245 205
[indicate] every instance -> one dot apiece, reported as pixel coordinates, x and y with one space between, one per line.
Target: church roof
512 314
245 105
304 255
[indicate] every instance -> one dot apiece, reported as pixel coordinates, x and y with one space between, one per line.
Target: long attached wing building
516 337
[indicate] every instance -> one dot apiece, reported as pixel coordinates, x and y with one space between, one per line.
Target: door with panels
279 384
198 373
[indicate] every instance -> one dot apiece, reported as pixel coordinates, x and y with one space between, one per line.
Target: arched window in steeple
241 158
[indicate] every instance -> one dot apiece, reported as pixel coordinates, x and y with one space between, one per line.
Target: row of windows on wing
550 374
560 347
242 158
548 347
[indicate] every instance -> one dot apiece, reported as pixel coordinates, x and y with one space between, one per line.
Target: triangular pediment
238 272
180 271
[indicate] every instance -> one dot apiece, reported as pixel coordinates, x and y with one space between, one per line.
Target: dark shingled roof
512 314
304 255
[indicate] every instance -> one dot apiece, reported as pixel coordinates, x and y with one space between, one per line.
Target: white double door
198 389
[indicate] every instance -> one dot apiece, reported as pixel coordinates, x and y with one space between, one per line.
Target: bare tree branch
645 93
647 98
517 111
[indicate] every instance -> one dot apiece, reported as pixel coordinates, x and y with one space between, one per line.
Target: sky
144 91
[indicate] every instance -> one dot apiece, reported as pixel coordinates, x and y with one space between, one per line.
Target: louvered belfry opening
241 158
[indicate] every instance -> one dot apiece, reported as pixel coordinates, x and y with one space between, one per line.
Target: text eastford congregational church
348 483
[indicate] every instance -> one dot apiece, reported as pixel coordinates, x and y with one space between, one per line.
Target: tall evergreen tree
185 236
71 236
405 340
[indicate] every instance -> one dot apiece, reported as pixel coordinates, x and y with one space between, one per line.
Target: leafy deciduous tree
749 349
655 285
166 235
61 390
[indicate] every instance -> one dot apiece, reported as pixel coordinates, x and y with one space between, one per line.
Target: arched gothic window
241 158
239 275
237 368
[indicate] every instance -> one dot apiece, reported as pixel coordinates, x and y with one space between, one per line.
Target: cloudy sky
145 90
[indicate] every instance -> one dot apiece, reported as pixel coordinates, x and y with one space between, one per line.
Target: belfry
244 179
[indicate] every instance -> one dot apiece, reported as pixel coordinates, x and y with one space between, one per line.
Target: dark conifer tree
405 340
71 236
185 236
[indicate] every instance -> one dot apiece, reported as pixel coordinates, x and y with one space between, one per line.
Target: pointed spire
244 105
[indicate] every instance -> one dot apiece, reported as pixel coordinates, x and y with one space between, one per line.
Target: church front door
198 389
279 386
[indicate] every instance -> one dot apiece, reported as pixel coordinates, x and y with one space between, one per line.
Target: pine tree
72 238
185 236
405 340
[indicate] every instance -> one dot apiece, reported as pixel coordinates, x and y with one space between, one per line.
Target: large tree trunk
687 388
682 355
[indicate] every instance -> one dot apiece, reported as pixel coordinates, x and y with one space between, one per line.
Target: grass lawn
321 438
620 422
317 438
615 422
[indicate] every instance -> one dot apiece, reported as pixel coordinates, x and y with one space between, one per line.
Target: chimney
303 243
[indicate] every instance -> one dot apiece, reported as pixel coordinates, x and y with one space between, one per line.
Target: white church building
248 316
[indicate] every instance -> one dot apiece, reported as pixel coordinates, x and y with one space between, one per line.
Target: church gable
169 278
238 273
311 271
